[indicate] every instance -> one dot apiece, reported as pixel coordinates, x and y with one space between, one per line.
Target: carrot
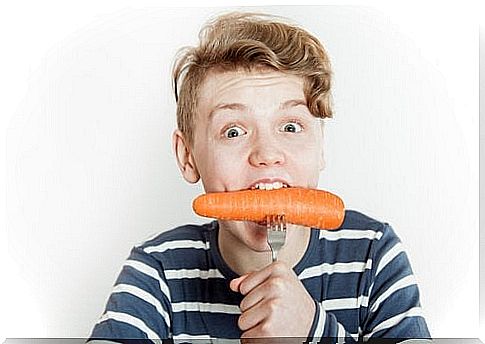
306 207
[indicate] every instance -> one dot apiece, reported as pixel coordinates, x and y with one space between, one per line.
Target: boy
250 103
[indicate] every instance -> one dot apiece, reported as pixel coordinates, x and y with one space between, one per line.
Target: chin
249 234
256 236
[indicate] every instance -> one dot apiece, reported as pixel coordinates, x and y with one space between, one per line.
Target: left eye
292 127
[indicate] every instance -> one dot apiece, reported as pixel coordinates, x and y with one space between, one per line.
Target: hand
275 303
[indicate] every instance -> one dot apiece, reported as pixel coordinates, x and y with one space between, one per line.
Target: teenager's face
255 127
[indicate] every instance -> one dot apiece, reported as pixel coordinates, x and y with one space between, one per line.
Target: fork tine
276 233
282 222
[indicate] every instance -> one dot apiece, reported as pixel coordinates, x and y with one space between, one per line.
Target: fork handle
274 255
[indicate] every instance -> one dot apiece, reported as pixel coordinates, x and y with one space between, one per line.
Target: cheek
305 161
223 169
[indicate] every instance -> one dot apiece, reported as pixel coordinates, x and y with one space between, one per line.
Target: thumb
235 283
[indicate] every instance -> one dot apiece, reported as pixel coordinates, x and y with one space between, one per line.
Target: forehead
249 88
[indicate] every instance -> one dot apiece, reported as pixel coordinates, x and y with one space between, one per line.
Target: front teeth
269 186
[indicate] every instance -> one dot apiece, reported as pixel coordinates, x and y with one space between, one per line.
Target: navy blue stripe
203 323
333 286
342 251
132 305
112 329
185 259
349 318
199 290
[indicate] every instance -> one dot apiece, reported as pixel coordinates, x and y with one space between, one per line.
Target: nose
266 152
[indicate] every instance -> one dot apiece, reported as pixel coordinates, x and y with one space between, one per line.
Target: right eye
233 132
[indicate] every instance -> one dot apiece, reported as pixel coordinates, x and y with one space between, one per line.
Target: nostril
267 159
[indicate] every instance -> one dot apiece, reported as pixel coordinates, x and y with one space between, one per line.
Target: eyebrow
238 106
227 106
292 103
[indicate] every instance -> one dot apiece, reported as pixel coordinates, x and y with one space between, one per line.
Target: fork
276 226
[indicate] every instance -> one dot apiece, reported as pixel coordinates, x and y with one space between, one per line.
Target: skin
252 126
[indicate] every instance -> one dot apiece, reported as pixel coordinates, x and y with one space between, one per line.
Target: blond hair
251 41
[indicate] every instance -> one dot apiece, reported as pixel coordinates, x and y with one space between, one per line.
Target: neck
242 258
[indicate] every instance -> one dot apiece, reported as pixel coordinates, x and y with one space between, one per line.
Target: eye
233 132
292 127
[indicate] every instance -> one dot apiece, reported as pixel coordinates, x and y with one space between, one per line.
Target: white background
88 115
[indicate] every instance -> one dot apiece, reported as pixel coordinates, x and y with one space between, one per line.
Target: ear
185 160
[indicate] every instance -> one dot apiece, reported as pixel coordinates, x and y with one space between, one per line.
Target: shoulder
383 238
187 232
181 247
356 225
355 220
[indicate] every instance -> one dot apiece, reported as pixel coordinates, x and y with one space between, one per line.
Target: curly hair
251 41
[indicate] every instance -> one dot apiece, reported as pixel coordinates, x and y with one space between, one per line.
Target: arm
139 304
390 304
325 325
394 309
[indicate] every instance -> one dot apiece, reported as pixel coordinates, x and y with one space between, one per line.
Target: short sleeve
139 304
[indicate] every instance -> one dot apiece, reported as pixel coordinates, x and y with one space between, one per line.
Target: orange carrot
306 207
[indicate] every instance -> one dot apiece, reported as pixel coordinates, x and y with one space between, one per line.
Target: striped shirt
176 285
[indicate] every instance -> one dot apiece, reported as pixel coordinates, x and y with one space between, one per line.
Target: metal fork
276 226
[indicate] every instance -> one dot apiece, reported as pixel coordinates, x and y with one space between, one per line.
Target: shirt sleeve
392 308
325 325
139 304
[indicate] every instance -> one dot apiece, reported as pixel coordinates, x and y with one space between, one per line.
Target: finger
255 278
253 316
235 283
256 334
269 289
253 338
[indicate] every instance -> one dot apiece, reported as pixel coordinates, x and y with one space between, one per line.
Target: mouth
269 185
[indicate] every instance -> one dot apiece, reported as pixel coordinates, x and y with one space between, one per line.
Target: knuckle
243 288
277 284
265 329
280 266
242 305
272 307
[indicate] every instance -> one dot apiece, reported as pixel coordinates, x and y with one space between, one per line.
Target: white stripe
205 307
175 244
370 291
343 303
202 339
192 273
131 320
148 270
340 334
145 296
389 256
402 283
320 323
355 336
329 269
191 336
413 312
349 234
365 301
